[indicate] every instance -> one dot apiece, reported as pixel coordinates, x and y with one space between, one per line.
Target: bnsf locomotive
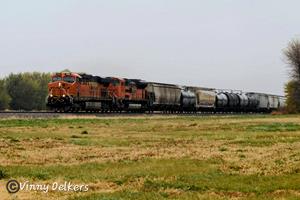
72 92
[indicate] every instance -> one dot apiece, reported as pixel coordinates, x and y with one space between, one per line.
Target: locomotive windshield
69 79
56 78
115 82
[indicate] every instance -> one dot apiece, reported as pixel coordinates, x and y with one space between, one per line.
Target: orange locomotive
75 92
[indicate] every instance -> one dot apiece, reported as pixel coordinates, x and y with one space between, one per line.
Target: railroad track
49 114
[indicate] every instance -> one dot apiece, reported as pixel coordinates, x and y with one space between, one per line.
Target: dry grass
237 146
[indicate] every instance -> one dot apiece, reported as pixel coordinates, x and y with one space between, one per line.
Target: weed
84 132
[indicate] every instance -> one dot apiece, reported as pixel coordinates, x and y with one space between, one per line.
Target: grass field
213 157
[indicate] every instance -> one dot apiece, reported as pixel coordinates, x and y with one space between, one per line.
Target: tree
66 71
28 90
292 56
292 97
4 97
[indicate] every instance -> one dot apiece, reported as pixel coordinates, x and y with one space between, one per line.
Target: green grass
213 157
126 169
182 174
185 196
275 127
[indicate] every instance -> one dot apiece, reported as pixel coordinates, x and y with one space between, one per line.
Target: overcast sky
214 43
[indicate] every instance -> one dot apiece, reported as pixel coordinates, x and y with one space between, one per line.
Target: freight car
82 92
263 101
281 103
187 101
221 102
163 97
205 98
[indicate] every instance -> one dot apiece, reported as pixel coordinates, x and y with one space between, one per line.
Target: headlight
51 95
63 95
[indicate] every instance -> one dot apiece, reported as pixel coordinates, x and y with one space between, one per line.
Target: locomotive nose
58 94
58 89
59 98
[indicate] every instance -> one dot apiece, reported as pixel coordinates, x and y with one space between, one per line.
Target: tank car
253 103
243 102
187 101
221 102
233 102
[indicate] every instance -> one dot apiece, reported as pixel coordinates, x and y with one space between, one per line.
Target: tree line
24 91
292 88
28 91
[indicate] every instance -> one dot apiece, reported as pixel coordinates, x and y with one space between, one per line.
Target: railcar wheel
66 109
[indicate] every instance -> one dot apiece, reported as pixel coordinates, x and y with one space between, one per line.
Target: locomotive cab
62 90
65 77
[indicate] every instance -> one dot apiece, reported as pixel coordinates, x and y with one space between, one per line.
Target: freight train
74 92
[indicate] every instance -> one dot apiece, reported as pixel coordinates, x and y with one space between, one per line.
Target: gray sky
215 43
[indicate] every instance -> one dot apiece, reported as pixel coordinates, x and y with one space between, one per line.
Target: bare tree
292 54
292 88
